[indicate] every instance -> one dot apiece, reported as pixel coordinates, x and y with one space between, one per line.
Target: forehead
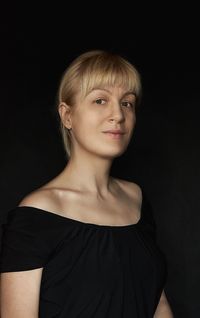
108 79
119 90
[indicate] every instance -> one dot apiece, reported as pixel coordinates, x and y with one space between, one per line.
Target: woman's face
111 108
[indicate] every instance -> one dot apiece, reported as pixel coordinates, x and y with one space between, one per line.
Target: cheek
131 119
87 123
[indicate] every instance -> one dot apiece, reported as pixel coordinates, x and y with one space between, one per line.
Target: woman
83 245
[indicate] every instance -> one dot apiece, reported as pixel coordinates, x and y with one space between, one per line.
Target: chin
107 150
112 153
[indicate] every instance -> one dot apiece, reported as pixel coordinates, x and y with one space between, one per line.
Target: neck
89 174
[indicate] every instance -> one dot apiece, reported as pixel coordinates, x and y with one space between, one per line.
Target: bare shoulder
43 198
131 188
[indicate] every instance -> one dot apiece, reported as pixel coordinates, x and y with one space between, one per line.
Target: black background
36 46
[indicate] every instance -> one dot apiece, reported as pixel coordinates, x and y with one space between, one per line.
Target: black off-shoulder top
89 270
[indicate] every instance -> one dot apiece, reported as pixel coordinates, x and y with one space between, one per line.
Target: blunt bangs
102 73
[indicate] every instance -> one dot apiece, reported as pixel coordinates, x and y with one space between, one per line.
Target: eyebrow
105 89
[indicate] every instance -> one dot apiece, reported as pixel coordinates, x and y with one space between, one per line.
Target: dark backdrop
164 154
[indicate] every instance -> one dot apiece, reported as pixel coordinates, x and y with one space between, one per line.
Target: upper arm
19 293
163 298
23 259
28 239
163 309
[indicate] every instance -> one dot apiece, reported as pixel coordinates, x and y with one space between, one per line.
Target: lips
117 131
114 134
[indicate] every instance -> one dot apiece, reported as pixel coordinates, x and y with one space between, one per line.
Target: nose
117 113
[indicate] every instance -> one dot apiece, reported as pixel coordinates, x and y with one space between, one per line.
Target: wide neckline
86 224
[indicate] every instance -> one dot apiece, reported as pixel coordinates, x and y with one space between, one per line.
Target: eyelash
132 104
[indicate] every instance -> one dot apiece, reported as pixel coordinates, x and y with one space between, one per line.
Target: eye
128 104
100 101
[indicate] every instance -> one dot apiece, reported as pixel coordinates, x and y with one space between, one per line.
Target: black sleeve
27 241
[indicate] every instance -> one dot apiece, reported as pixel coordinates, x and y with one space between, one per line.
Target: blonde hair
94 69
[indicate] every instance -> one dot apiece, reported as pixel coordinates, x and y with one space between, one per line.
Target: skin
100 110
84 186
163 309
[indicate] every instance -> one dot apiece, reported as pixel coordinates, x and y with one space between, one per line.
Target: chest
114 211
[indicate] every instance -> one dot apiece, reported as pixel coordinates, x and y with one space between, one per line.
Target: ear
65 114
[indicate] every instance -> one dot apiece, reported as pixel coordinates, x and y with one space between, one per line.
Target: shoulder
30 216
29 235
42 198
131 188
